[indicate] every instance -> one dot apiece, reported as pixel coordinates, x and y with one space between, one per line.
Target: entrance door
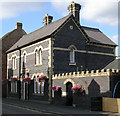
69 94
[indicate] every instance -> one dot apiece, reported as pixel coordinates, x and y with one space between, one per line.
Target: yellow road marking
25 108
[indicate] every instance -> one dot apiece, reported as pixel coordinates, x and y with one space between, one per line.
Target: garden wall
96 84
111 104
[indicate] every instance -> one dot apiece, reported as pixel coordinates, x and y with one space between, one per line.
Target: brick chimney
47 19
74 9
18 25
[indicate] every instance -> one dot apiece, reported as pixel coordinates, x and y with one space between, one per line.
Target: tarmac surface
15 106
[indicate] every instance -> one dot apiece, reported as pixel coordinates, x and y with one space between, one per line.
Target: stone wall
90 57
96 84
30 60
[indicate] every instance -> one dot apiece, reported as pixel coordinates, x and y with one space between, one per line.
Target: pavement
46 107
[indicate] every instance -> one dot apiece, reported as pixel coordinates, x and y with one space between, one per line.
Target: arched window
24 58
72 55
40 56
38 86
36 57
14 62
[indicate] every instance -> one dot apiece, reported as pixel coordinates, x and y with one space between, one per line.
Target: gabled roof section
39 34
93 35
115 64
7 34
96 36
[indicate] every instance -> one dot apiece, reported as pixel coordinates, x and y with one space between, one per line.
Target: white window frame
24 58
40 56
14 62
72 55
42 87
39 87
36 57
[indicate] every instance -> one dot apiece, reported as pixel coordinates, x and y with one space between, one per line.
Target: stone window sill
72 64
38 64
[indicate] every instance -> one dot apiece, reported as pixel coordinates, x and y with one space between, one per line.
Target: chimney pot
47 19
18 25
74 9
72 2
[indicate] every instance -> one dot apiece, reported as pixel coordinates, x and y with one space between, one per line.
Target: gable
96 36
70 34
52 28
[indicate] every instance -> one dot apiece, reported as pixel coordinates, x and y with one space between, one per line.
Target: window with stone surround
38 87
72 55
14 87
38 56
24 58
14 62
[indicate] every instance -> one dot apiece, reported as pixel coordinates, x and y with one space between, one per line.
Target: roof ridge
44 29
90 27
49 24
7 34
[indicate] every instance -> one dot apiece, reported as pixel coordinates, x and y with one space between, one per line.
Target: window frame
36 57
24 58
14 61
40 56
14 87
38 87
72 55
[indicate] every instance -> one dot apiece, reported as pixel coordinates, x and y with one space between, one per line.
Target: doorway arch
69 94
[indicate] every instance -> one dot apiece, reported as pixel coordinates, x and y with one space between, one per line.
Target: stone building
7 41
62 46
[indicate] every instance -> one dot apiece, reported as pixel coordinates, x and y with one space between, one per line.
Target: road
12 109
14 106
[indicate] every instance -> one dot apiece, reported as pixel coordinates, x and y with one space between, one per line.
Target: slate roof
7 34
95 35
45 31
114 64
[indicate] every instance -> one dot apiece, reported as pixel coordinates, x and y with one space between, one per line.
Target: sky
102 14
